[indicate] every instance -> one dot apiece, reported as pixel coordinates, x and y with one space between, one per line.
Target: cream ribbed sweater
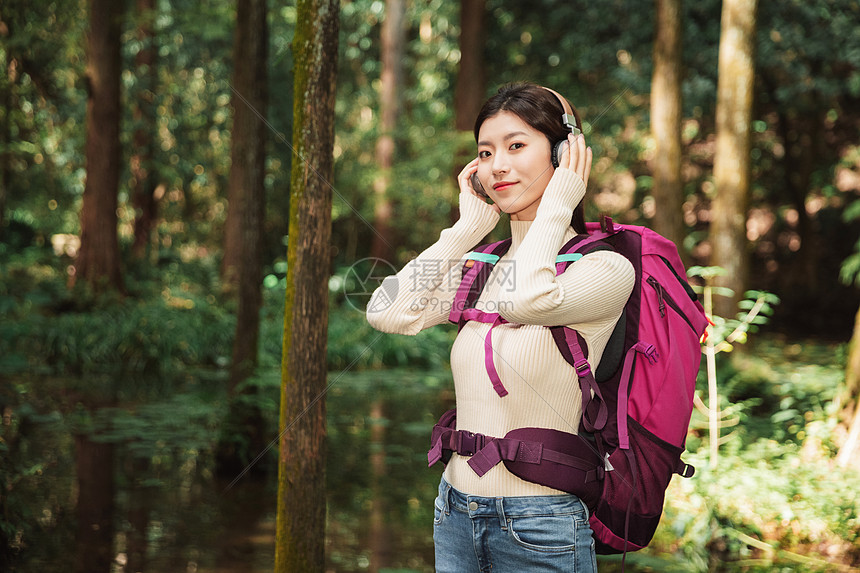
543 390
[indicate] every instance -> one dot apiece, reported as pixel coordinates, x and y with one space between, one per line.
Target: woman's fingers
467 171
580 156
464 176
589 156
566 159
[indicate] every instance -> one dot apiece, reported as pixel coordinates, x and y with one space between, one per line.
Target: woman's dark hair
540 109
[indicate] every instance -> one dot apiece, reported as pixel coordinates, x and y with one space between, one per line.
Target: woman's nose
500 163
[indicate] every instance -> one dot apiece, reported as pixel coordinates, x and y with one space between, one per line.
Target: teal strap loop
493 259
483 257
572 257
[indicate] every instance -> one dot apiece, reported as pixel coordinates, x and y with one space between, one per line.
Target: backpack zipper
687 288
660 292
664 298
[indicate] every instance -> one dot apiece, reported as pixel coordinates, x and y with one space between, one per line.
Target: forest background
141 330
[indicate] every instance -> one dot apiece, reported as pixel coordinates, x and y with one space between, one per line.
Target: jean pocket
544 533
438 511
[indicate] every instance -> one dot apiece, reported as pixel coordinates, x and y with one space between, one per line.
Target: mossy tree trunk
666 112
300 535
98 262
730 248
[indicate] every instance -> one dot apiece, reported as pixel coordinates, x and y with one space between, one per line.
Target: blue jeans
511 534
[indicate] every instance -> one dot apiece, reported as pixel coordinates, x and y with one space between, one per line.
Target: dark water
170 512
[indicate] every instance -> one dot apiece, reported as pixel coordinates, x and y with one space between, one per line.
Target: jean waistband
479 506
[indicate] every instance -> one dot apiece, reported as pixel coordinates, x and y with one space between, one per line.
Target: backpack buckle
606 225
468 443
583 368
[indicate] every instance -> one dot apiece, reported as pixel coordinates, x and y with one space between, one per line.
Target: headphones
570 119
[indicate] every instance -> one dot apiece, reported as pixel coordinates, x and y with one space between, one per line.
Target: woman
498 521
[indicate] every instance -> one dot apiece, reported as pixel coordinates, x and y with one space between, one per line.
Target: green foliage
849 273
782 394
777 501
162 430
175 322
151 336
423 186
755 308
354 344
782 495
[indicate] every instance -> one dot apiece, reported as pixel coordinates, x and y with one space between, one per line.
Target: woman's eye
483 154
517 145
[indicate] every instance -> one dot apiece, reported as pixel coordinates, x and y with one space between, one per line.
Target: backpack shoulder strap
476 271
574 350
571 344
577 247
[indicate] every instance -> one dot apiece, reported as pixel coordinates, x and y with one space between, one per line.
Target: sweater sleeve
594 289
421 294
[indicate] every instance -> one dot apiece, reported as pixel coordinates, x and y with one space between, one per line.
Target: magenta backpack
636 406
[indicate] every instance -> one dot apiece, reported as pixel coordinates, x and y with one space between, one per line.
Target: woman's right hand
465 184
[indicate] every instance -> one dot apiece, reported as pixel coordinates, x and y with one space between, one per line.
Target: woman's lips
501 186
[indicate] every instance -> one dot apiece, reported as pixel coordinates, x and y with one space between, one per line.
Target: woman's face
514 164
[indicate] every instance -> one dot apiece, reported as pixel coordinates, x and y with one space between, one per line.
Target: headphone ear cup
557 150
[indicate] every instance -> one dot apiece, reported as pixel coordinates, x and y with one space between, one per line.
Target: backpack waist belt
487 452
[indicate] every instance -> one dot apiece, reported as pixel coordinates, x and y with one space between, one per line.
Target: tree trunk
300 541
247 203
98 261
850 451
245 188
143 177
471 84
94 539
732 161
247 176
666 112
393 38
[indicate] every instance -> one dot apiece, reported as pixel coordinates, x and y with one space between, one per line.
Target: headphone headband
570 118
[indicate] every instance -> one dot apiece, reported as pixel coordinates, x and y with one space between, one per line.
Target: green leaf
723 291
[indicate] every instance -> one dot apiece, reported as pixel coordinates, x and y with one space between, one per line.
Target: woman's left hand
577 157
